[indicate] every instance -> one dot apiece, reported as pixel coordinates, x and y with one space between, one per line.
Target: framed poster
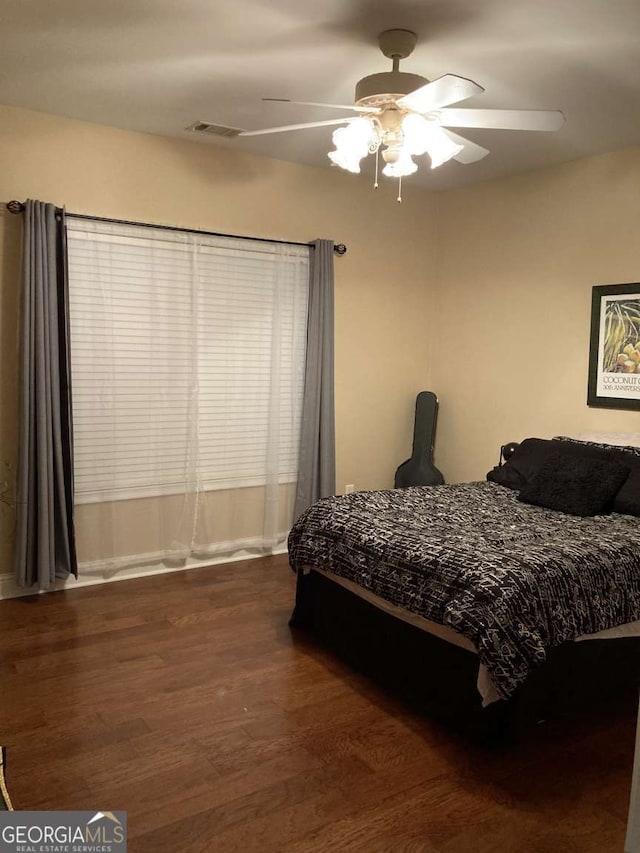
614 354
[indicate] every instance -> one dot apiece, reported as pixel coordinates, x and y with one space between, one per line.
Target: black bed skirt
441 678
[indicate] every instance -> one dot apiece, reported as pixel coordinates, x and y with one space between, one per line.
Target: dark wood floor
185 700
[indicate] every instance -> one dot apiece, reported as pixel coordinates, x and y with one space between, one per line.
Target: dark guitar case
420 470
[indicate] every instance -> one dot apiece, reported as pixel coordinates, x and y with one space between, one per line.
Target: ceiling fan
401 115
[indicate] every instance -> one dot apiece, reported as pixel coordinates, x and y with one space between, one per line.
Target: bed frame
440 678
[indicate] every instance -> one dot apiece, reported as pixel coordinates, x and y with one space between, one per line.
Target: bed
490 610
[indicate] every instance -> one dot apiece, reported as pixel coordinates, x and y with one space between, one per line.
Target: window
187 358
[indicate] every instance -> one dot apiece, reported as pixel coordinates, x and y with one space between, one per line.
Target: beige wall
383 284
518 258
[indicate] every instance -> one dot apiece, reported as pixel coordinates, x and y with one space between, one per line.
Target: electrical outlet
349 488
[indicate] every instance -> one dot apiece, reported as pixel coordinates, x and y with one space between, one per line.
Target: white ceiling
159 65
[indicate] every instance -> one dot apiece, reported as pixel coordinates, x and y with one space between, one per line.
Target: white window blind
187 356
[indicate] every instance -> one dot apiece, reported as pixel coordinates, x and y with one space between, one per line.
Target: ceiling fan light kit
393 128
402 115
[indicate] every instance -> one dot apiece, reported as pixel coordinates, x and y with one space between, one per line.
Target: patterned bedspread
515 579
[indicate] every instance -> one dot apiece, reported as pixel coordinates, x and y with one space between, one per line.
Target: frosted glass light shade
403 166
423 135
441 147
352 144
416 131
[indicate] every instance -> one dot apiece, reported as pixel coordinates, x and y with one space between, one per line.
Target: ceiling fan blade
439 93
286 127
353 107
503 119
471 151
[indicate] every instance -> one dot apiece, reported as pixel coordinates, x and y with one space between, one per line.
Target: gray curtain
45 546
316 470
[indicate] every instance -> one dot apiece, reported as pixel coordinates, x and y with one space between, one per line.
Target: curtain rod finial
15 206
340 249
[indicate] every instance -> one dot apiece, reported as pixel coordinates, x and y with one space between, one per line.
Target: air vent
214 129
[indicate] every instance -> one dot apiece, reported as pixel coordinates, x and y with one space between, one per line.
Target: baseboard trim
99 572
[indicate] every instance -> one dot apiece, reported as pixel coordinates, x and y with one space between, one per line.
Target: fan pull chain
399 199
375 183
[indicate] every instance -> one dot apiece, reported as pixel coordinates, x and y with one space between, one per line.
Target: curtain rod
18 207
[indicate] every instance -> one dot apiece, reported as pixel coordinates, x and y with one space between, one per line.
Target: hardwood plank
250 811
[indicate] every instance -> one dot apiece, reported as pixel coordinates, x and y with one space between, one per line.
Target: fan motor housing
380 89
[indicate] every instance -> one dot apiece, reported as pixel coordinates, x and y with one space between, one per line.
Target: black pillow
628 498
524 464
577 485
534 452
